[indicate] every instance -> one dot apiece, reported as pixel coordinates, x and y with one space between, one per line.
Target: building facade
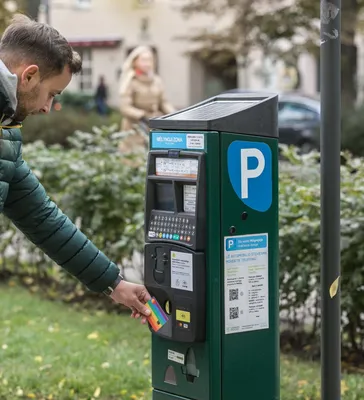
105 31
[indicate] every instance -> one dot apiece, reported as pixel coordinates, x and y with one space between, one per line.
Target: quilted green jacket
24 200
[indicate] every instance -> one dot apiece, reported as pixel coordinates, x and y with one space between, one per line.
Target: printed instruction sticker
195 141
189 198
176 357
181 271
246 283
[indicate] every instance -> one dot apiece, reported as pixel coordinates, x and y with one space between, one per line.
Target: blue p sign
230 244
250 173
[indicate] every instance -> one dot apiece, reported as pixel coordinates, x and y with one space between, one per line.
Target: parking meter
211 252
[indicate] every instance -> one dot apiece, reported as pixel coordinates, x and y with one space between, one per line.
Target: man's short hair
25 40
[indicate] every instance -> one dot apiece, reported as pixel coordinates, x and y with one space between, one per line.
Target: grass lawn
51 351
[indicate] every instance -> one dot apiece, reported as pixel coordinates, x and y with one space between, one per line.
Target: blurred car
298 120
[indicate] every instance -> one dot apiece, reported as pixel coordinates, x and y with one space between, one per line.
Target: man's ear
30 77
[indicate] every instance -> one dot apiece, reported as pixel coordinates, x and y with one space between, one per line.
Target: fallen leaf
93 336
61 383
344 387
146 362
46 366
105 365
31 395
38 359
53 328
19 392
97 392
334 287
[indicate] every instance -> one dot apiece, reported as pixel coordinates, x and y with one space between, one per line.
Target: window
143 3
85 77
83 3
295 112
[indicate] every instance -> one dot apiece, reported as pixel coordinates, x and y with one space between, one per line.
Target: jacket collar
8 88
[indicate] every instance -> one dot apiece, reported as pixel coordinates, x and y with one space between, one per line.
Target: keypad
181 229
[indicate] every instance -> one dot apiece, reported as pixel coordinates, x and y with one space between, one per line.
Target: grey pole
330 54
47 12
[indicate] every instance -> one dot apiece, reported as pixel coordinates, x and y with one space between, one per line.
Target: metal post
46 5
48 11
330 199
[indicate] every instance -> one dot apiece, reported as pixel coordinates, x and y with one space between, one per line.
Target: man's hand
133 296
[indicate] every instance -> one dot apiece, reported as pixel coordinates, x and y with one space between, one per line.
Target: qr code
233 294
234 312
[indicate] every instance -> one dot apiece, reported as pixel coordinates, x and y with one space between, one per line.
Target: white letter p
246 173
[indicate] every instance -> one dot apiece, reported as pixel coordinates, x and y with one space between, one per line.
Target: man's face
35 95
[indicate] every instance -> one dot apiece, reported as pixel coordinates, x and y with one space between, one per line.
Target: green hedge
57 126
76 100
79 100
353 130
96 186
300 245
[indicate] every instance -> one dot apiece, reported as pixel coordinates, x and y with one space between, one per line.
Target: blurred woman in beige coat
142 95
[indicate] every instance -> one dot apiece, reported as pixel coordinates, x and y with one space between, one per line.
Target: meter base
158 395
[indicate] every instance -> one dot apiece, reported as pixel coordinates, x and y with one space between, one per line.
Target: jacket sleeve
44 224
127 109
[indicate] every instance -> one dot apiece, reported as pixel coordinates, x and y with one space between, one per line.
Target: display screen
184 167
164 196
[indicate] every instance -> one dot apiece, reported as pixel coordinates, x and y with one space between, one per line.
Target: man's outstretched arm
44 224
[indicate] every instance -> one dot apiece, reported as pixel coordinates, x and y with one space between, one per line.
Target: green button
175 237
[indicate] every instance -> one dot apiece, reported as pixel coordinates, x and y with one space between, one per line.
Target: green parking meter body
211 252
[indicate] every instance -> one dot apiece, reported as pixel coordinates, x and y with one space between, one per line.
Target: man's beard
25 100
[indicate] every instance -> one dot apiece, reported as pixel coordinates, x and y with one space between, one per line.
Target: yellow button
167 307
183 316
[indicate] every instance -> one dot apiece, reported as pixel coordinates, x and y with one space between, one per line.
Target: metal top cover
247 113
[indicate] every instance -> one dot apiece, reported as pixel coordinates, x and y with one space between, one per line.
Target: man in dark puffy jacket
36 64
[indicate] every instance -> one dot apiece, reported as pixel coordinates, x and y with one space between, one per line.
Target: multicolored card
158 317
